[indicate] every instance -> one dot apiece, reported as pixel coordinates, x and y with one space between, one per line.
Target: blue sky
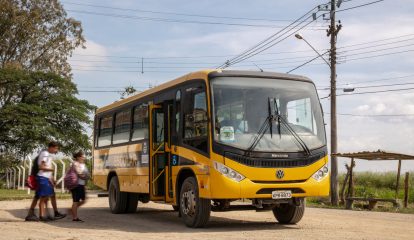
131 39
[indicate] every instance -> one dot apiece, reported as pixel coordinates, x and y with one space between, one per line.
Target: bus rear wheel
117 199
194 211
132 203
290 213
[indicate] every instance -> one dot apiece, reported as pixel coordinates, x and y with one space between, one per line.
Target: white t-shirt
80 168
45 157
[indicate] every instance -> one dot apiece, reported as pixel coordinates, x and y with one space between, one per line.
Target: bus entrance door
160 153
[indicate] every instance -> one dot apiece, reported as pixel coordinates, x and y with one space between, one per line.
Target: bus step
103 194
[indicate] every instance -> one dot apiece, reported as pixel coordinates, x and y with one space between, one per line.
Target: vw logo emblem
280 173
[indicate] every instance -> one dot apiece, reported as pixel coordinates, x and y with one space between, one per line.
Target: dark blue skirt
45 188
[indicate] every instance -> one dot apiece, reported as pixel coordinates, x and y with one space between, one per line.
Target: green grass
380 185
374 185
12 194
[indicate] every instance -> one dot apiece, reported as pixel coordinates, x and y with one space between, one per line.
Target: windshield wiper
263 129
277 115
280 119
268 124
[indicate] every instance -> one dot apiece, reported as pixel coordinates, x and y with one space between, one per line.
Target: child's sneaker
31 218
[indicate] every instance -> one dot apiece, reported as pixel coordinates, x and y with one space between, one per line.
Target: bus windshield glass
242 106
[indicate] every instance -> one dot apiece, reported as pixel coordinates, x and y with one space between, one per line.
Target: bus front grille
273 163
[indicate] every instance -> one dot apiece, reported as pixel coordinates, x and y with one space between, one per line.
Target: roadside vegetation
13 194
374 185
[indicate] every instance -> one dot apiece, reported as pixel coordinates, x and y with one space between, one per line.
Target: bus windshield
241 107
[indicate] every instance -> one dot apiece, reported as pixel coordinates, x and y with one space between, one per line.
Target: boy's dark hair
78 154
53 144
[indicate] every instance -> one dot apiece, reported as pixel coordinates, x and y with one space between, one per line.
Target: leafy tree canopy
36 107
37 35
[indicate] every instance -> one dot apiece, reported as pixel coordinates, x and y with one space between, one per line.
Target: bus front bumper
222 187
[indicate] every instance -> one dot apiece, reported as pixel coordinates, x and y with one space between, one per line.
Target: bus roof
202 74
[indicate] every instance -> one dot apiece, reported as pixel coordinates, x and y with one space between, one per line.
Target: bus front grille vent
273 163
270 190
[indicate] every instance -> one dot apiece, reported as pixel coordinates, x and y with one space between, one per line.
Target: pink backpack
71 178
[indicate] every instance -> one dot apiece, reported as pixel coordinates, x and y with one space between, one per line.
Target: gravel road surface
159 221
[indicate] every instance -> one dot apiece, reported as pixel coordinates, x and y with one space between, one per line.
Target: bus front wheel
117 199
289 213
194 211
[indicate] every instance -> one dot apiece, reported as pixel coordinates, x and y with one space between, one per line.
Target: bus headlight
228 172
321 173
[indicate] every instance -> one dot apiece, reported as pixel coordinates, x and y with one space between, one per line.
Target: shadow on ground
147 220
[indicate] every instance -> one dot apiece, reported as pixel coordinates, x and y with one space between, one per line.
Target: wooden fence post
398 179
407 176
342 198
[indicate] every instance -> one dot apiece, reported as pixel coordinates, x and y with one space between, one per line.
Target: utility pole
333 32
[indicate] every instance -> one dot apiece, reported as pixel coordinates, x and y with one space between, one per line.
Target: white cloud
363 108
86 58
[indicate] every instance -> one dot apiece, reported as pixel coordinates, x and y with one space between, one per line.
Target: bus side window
140 125
105 131
195 119
122 127
177 118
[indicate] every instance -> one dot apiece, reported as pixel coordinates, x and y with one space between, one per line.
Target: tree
37 35
36 107
128 91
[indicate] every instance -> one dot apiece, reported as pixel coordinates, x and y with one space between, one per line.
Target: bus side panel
130 164
197 163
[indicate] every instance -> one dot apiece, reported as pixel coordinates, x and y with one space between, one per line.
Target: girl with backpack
80 174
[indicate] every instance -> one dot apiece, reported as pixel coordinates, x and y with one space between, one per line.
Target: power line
100 91
230 55
176 13
110 87
354 59
267 61
373 115
257 50
380 55
186 63
378 80
279 65
386 85
374 86
189 57
378 45
269 40
359 6
259 60
120 71
272 61
380 50
379 91
175 20
305 63
375 41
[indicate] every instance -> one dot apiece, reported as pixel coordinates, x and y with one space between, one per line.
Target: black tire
289 214
117 199
194 211
132 203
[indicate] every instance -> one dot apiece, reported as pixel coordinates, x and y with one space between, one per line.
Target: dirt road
157 221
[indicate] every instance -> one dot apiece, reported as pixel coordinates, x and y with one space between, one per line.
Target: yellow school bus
208 139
